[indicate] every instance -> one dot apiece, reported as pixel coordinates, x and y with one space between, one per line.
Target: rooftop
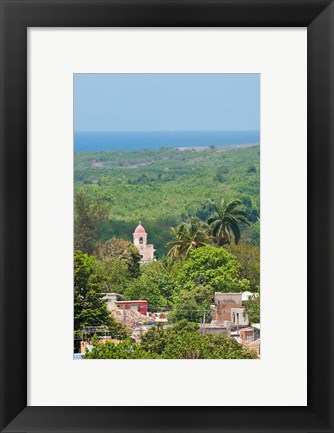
140 229
130 302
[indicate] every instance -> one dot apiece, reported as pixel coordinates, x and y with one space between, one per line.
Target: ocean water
107 141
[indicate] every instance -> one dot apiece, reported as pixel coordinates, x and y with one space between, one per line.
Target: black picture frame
16 17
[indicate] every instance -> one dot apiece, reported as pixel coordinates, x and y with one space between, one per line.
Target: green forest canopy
164 187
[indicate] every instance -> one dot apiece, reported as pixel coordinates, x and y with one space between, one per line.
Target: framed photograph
166 216
188 285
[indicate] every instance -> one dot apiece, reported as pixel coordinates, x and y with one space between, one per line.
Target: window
141 240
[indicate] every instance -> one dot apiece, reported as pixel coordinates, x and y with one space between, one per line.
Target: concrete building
140 241
213 328
138 305
228 307
246 334
239 317
111 298
249 337
223 304
246 296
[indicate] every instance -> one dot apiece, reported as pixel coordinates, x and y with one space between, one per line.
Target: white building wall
111 298
238 317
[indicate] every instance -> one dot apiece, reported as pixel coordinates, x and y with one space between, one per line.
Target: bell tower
140 236
146 250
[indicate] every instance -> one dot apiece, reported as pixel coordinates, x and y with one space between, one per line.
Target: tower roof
140 229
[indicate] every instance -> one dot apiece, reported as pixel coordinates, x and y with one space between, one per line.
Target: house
138 305
246 296
223 304
246 334
111 298
249 337
228 309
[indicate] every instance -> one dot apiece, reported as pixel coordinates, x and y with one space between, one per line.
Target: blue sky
166 102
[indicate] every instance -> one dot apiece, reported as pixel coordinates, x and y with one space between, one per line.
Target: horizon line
170 130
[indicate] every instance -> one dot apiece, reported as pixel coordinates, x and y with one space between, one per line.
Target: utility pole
204 322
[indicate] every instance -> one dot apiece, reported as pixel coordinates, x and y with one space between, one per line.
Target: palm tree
225 221
188 236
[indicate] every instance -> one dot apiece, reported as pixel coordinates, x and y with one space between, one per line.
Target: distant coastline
154 140
218 148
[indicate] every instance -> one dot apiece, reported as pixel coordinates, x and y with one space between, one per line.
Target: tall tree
225 221
214 267
252 308
88 215
120 249
188 236
191 303
90 309
155 285
114 272
248 257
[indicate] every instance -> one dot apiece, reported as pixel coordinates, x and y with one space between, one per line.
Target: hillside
163 187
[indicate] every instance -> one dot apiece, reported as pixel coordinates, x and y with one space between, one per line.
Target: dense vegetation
165 187
201 210
89 307
181 341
